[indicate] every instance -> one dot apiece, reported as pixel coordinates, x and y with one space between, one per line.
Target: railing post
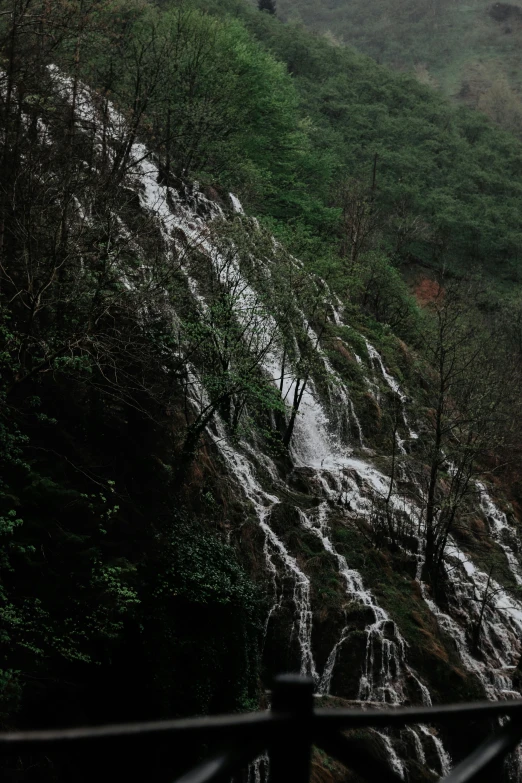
292 695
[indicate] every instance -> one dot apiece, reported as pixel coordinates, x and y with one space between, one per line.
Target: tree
306 361
300 332
267 5
225 341
472 386
360 217
379 288
487 596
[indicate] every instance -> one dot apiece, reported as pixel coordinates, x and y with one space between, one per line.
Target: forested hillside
260 381
468 51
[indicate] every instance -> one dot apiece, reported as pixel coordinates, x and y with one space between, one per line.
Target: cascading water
444 759
318 445
501 619
314 447
501 623
394 385
386 686
501 531
263 502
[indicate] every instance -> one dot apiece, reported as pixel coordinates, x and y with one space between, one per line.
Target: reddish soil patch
427 291
339 346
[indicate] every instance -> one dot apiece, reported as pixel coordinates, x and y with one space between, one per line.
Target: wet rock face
284 519
359 616
303 479
348 670
323 619
281 650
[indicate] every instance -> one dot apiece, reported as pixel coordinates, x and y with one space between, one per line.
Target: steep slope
214 468
337 485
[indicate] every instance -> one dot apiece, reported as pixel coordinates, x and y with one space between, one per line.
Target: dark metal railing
288 732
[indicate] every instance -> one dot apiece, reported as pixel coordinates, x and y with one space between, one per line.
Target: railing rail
289 730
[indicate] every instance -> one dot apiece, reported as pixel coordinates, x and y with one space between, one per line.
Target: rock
348 668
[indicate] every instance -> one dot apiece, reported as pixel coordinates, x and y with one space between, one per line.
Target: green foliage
10 694
199 568
462 48
205 614
441 189
239 100
95 592
90 610
379 289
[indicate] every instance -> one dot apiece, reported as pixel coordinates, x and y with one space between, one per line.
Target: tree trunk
300 386
478 627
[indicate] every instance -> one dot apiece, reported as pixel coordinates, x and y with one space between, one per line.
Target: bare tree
360 217
471 388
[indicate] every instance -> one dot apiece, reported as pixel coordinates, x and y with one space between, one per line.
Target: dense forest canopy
122 596
438 164
470 51
282 116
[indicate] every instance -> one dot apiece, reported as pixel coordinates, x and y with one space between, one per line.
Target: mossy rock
304 480
328 627
284 517
281 651
348 666
324 769
359 615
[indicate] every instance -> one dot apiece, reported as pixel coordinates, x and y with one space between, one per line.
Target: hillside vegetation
440 181
469 51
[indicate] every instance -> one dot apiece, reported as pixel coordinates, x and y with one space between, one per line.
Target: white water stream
317 445
314 447
502 532
338 471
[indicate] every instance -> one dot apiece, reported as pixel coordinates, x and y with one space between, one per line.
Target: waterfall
343 478
501 621
421 756
315 447
442 755
395 762
394 385
501 531
339 472
387 685
263 502
236 204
